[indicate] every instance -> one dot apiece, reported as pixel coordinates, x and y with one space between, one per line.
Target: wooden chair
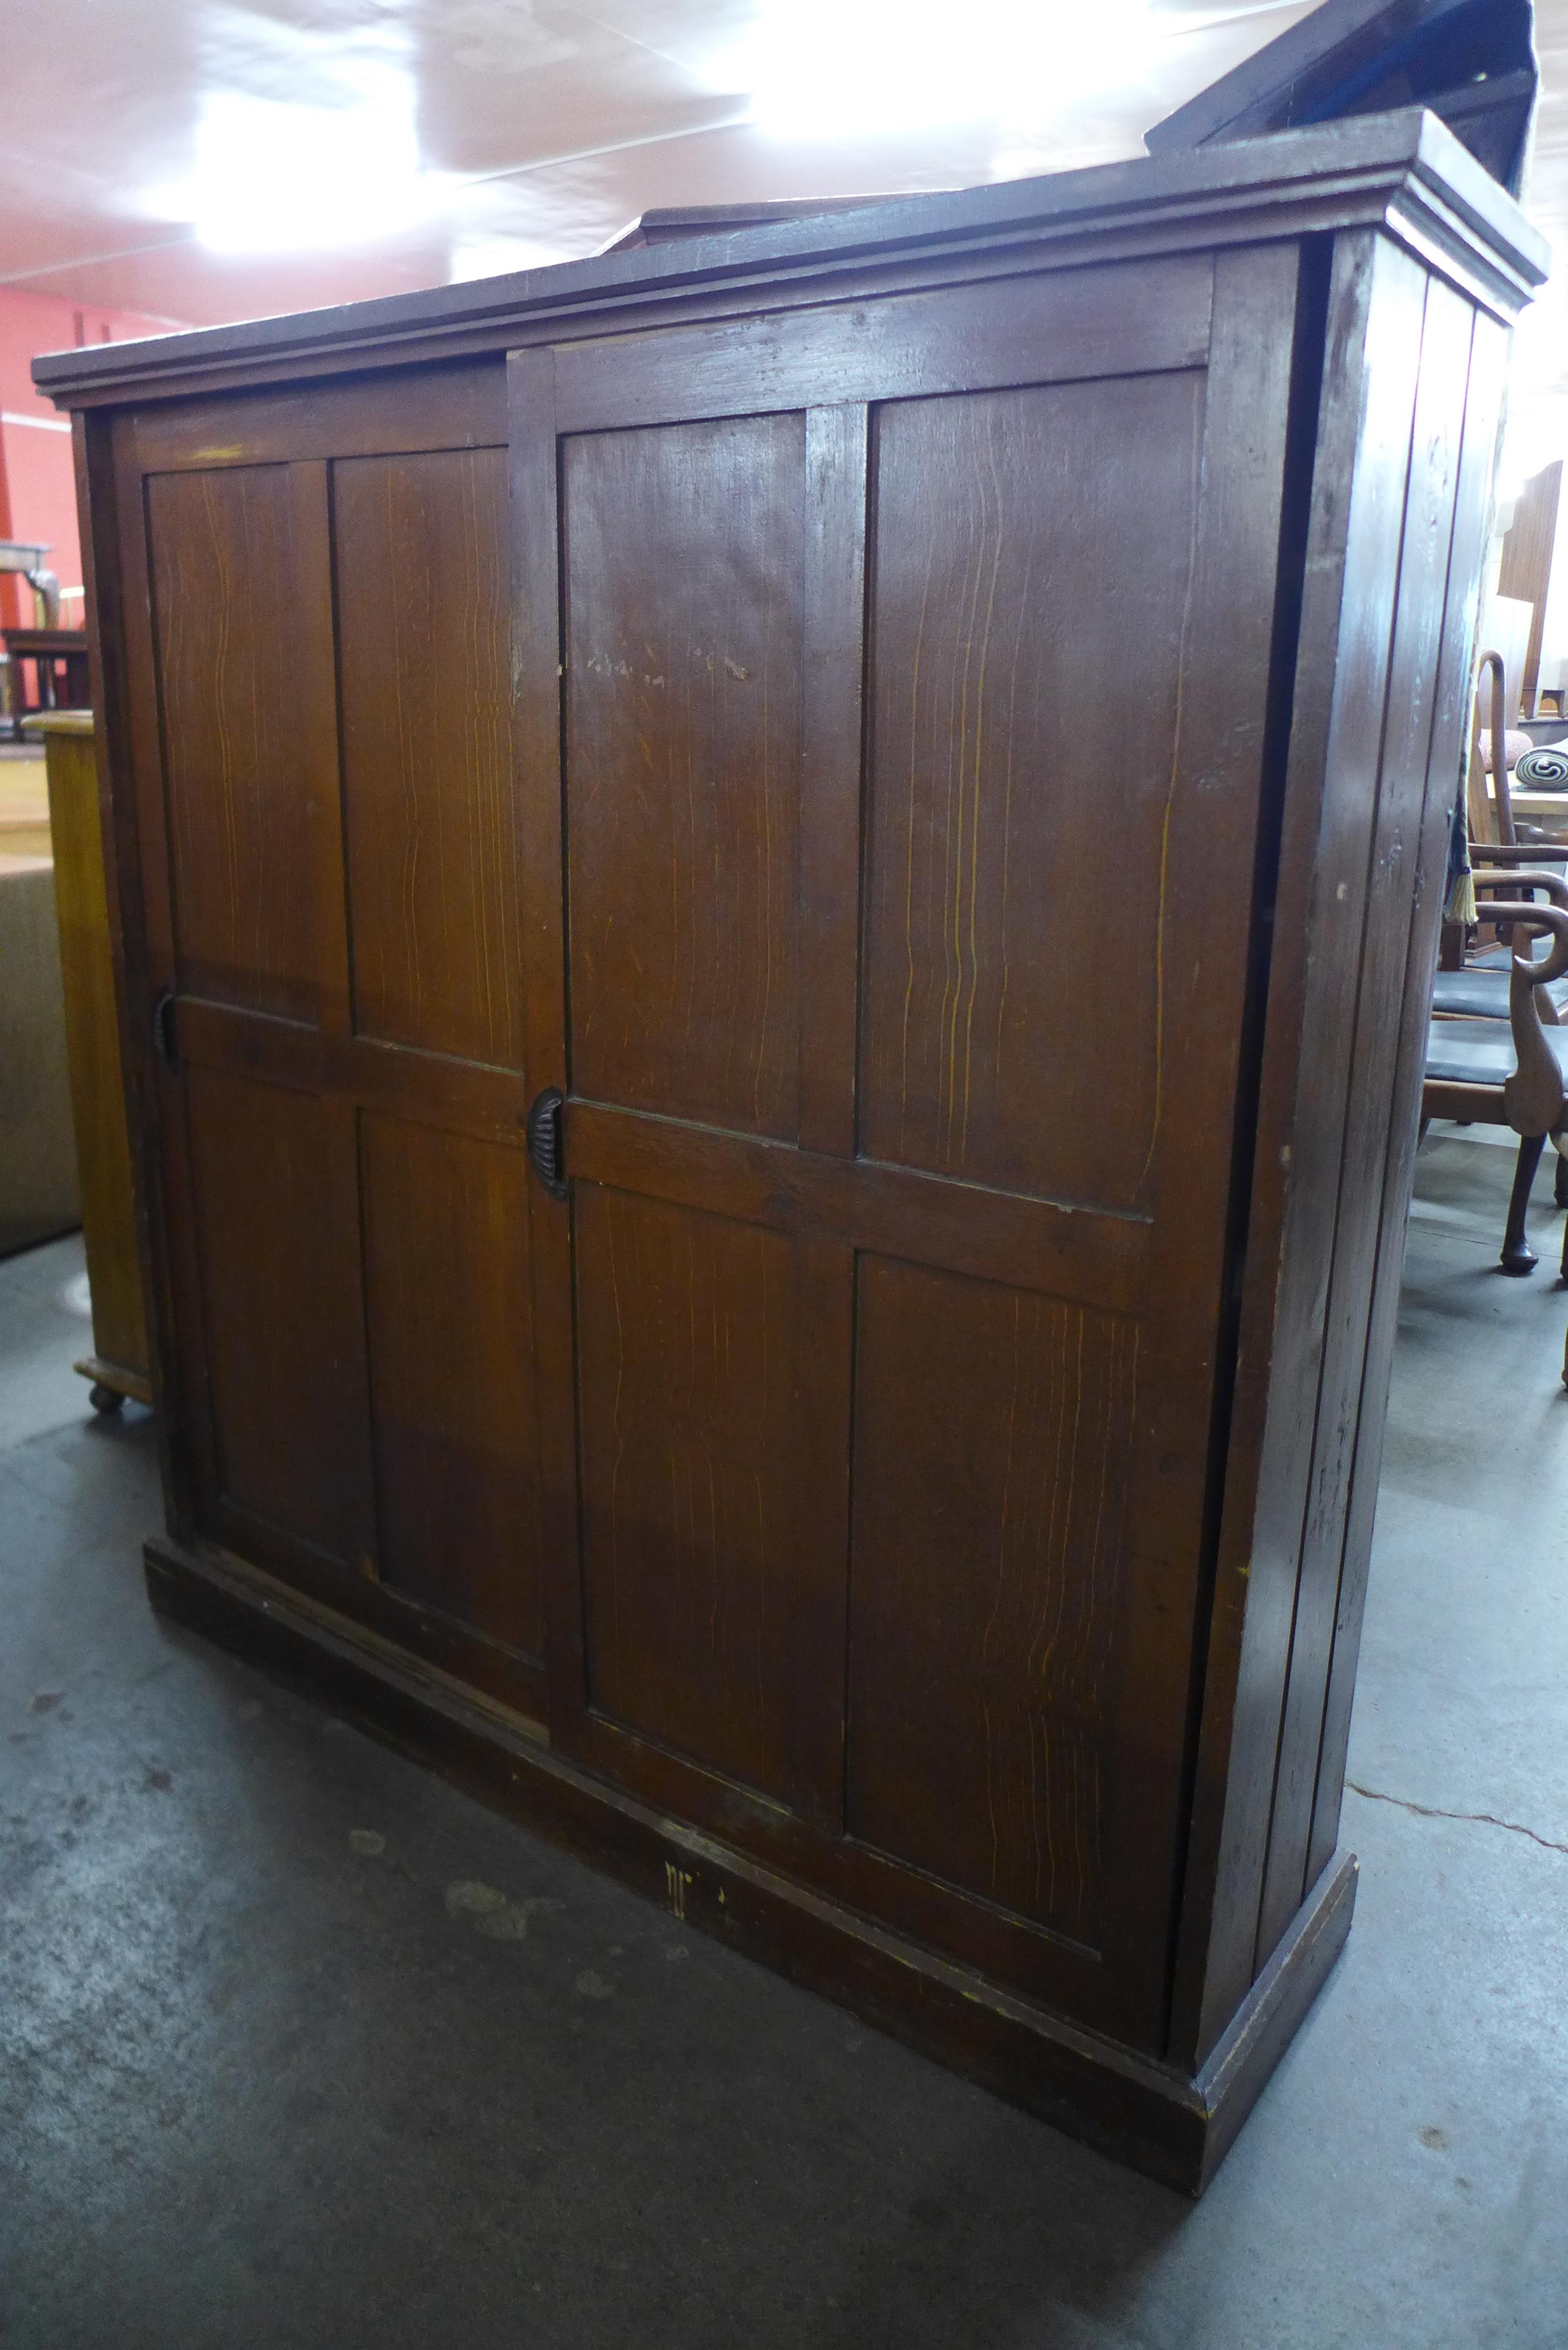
1477 986
1486 1074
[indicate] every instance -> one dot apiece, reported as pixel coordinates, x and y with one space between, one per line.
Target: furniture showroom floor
300 2047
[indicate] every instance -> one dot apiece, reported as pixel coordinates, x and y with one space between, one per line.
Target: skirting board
1173 2127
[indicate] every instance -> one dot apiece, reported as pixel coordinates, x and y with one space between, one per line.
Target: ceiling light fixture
272 177
854 68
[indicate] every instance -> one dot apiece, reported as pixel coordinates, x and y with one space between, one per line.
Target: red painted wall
38 489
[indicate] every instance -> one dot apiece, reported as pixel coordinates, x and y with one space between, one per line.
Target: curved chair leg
1517 1257
1560 1180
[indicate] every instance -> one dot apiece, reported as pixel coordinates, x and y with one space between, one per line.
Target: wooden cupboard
117 1365
777 893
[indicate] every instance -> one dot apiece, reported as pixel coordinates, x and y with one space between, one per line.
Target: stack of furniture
692 1287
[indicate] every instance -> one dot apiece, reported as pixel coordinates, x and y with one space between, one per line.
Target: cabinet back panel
432 830
278 1219
685 549
1034 550
993 1434
448 1315
243 612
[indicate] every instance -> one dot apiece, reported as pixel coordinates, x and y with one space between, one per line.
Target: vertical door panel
447 1309
993 1432
1033 551
243 603
685 549
276 1214
703 1564
419 545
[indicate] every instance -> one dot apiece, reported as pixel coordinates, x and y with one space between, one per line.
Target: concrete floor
301 2048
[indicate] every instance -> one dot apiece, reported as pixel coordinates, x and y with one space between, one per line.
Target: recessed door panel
448 1315
243 613
685 552
1033 553
702 1545
420 559
992 1435
277 1210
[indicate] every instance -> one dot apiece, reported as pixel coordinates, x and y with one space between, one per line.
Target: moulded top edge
1407 156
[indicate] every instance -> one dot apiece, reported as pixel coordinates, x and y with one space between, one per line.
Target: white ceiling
435 138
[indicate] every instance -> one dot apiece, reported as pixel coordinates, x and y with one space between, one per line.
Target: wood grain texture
538 711
1218 833
684 558
1376 302
92 1038
448 1312
993 1432
1483 406
276 1202
461 407
1525 570
1391 895
250 755
427 1087
1048 329
111 506
1008 526
1021 586
1093 1260
433 835
837 454
705 1607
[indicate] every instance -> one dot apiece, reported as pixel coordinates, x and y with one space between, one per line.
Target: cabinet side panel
1384 1007
1360 471
1483 410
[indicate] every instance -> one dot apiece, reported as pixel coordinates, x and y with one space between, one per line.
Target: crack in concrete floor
1433 1812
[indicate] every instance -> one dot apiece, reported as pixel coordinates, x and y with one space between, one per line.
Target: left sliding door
331 869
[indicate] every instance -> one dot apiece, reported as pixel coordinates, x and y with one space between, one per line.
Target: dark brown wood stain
930 728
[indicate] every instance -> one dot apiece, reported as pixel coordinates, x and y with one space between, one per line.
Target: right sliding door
895 677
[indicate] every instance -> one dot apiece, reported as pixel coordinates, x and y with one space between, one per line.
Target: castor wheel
1560 1181
105 1399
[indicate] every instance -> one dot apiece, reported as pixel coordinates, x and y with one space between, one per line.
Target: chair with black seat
1484 1073
1475 986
